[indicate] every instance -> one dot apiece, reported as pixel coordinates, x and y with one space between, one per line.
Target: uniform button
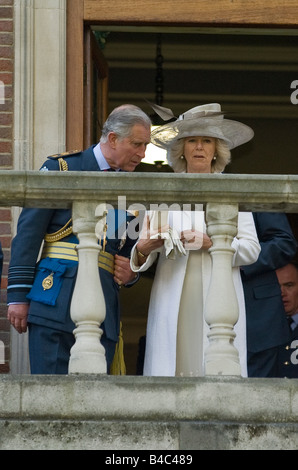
286 363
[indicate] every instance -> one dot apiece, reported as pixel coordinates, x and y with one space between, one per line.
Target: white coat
160 355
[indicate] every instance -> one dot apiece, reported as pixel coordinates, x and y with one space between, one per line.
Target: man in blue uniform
288 352
46 311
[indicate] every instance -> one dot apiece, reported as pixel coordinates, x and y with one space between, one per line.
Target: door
95 89
87 92
198 14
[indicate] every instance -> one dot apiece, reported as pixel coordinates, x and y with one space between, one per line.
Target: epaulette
63 166
65 154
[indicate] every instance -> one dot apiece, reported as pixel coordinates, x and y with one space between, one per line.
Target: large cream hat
205 121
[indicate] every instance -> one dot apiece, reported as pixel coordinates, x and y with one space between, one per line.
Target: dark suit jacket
265 316
33 224
288 357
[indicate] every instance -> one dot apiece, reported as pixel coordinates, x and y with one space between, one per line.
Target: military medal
48 282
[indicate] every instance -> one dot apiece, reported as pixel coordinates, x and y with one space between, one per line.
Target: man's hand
17 315
122 271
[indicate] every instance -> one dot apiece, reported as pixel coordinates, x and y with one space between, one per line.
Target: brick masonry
6 158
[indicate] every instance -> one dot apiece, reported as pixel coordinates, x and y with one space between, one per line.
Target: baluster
221 312
88 305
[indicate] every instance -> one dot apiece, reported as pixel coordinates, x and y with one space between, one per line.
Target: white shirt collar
295 318
102 163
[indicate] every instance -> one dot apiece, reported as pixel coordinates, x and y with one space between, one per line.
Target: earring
182 157
214 158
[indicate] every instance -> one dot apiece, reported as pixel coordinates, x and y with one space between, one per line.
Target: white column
39 81
88 305
49 78
222 310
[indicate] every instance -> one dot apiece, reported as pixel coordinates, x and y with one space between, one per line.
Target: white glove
172 243
178 245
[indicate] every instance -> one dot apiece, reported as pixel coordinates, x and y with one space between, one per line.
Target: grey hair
122 119
178 162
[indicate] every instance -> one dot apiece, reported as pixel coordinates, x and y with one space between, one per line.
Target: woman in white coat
199 141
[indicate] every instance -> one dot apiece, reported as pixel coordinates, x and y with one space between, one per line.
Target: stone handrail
46 189
88 193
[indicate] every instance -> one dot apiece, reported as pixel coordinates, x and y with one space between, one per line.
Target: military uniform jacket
25 272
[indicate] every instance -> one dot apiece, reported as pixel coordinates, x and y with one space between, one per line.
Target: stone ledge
92 397
59 190
146 413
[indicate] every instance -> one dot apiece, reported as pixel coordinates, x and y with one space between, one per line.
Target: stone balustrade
88 193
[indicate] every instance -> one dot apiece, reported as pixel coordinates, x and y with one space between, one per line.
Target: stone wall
98 412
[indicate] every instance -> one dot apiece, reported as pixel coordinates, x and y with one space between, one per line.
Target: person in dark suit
288 352
267 327
122 146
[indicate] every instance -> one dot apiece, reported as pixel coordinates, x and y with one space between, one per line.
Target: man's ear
112 139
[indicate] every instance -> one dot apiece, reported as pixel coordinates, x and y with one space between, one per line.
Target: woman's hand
146 243
194 240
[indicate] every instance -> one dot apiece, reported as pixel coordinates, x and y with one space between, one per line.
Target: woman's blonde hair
177 161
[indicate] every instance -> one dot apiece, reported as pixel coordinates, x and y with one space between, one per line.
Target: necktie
290 321
109 169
